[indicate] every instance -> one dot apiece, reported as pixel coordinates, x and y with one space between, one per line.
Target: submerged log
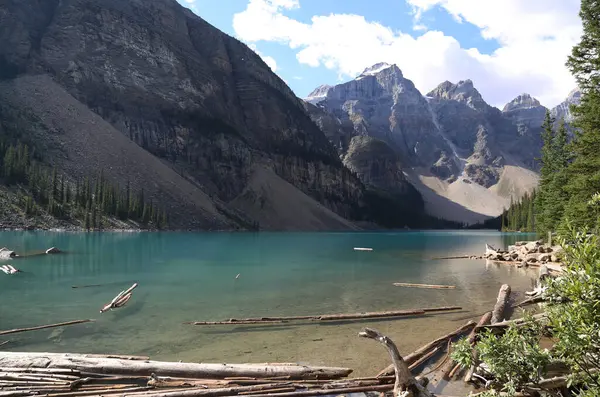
14 331
414 356
327 317
501 304
405 384
433 286
112 366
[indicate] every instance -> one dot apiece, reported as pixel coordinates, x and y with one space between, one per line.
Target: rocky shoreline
526 254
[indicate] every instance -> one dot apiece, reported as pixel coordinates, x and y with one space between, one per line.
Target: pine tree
584 171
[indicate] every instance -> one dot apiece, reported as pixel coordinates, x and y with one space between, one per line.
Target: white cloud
297 77
270 61
536 36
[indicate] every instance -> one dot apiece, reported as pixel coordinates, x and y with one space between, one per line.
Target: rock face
449 141
563 111
185 92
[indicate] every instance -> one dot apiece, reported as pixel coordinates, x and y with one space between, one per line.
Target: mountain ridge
449 142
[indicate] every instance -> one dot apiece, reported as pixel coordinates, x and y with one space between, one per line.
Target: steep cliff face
449 143
382 104
181 89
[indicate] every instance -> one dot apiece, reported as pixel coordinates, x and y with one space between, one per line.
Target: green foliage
462 353
91 200
514 358
576 320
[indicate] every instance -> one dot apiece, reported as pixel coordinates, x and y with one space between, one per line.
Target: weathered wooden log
41 370
472 338
14 376
426 357
363 249
4 343
233 391
405 383
328 317
120 299
412 357
505 324
278 390
432 286
501 303
113 366
14 331
102 392
530 301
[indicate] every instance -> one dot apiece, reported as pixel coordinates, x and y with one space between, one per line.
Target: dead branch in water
327 317
14 331
120 300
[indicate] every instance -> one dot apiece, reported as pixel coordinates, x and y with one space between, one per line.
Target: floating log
119 300
87 286
362 249
4 343
327 317
472 338
414 356
433 286
14 331
113 366
501 304
405 383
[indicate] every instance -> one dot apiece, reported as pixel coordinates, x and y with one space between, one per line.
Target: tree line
89 200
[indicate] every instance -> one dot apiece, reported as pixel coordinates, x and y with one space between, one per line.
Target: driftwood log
432 286
120 300
501 304
496 316
17 330
405 384
485 319
417 354
113 366
328 317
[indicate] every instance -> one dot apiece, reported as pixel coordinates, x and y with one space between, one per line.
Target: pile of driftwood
72 375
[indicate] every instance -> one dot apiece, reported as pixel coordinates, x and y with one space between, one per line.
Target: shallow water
191 277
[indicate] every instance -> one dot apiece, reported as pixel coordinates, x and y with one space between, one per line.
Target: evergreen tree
584 171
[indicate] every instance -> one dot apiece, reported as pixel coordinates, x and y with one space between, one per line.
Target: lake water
191 277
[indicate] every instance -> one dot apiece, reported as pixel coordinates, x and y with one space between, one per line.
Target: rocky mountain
152 94
465 157
563 110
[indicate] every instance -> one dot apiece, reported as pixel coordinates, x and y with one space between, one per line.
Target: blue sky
506 47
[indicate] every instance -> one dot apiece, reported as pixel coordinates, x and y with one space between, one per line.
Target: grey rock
196 98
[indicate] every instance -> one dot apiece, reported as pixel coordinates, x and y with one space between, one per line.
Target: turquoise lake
191 277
